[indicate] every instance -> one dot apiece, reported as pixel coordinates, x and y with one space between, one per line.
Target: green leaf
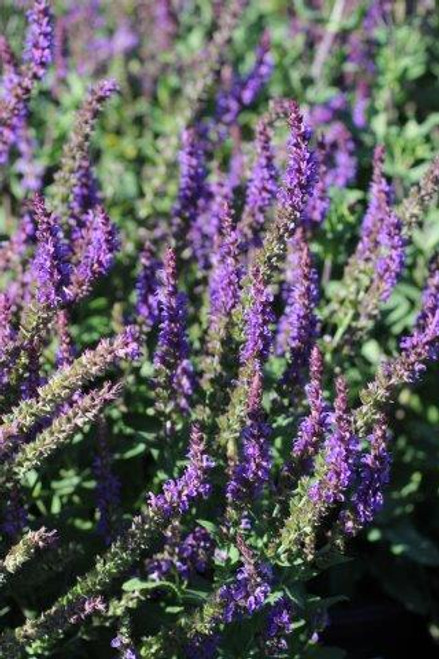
196 596
209 526
140 584
372 351
134 451
405 540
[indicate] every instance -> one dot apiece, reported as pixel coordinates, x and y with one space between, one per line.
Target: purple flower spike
361 55
195 552
417 349
391 261
279 627
243 91
312 428
261 72
430 299
38 52
318 203
337 148
361 104
124 646
340 155
51 267
206 227
84 193
301 172
174 372
250 589
14 250
165 24
66 351
146 288
262 188
298 325
253 470
340 453
128 343
258 318
225 278
382 244
335 156
18 130
9 67
377 210
33 379
188 556
19 82
26 165
422 345
193 175
7 332
367 498
178 494
95 248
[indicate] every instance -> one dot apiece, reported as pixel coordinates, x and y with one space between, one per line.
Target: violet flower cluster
301 172
19 82
335 156
262 187
340 453
76 182
312 428
378 262
174 372
188 555
279 627
59 279
297 328
178 494
248 592
242 91
192 181
123 648
380 198
146 287
373 476
258 320
226 274
51 265
85 42
252 471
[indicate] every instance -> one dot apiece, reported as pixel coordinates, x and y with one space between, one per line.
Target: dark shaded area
379 629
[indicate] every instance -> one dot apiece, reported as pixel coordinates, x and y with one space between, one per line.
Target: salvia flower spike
173 370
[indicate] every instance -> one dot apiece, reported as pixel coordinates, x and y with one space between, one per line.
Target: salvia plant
199 370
